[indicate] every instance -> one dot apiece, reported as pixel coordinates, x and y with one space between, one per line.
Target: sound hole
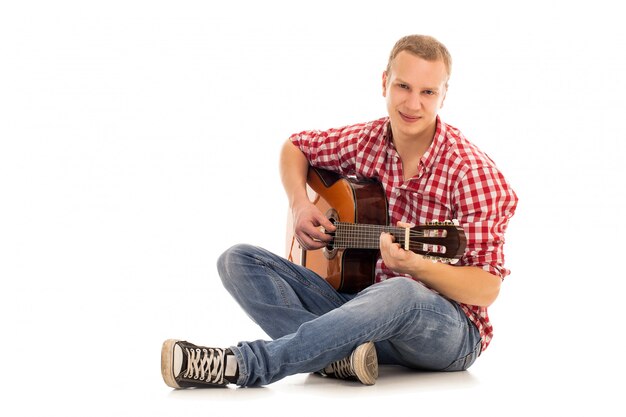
330 251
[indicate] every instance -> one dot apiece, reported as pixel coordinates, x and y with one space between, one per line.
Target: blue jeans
312 324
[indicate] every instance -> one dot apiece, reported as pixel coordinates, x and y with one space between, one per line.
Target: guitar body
358 209
345 200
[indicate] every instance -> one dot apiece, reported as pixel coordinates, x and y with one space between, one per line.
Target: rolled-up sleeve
485 204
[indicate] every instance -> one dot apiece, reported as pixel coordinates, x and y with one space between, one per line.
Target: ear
384 83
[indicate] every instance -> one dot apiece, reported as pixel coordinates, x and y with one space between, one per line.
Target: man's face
414 91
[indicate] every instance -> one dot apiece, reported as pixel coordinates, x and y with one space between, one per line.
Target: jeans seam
269 265
277 284
360 336
241 366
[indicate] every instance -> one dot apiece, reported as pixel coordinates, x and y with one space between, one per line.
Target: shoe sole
365 363
167 363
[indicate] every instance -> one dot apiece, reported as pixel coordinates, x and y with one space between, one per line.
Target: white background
139 139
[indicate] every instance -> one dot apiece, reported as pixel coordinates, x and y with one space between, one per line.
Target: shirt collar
429 157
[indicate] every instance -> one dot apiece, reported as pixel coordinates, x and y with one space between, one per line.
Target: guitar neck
441 241
364 236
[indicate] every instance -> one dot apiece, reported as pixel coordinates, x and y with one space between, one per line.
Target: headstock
442 241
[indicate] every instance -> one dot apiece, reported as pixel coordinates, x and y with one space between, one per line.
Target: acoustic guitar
359 211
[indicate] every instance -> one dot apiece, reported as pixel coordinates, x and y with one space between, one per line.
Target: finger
403 224
385 241
325 223
396 250
388 244
316 233
387 238
308 243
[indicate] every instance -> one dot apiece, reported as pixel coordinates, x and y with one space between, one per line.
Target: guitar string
359 229
367 236
356 230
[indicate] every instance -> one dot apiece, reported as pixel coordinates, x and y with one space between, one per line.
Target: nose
413 101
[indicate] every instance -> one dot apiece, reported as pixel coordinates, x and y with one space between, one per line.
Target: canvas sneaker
362 365
185 365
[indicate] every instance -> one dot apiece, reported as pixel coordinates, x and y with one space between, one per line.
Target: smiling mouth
408 118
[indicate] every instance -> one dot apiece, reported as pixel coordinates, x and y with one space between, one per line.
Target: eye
403 86
429 92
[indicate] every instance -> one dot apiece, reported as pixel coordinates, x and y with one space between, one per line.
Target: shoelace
343 368
205 364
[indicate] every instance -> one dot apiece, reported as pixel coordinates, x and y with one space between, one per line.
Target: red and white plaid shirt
455 180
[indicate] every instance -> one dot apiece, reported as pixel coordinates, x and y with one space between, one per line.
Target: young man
420 314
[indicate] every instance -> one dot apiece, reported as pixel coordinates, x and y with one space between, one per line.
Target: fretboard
364 236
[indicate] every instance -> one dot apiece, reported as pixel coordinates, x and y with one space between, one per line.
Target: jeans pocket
466 361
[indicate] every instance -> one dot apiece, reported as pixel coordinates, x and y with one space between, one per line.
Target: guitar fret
367 236
364 236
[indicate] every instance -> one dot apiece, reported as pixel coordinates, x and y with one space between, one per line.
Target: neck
413 147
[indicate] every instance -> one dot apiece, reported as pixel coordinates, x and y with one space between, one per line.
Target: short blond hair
425 47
